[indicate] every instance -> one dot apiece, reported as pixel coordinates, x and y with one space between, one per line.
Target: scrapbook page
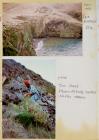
48 71
97 7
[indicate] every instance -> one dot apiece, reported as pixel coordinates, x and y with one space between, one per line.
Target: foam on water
39 45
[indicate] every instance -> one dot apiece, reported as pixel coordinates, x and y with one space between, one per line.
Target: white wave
39 45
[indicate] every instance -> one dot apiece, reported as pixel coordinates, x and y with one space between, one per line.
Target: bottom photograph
28 98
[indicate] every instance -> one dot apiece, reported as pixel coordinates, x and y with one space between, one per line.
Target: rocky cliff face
13 94
23 22
53 20
12 69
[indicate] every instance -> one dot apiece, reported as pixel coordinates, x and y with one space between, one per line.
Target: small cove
58 47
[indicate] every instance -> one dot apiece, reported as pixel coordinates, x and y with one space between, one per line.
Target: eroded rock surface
53 20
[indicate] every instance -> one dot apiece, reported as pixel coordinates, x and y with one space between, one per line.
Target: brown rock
53 20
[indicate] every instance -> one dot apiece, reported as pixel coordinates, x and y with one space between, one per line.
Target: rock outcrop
13 94
53 20
23 22
12 69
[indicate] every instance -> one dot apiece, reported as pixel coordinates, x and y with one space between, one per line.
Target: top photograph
42 29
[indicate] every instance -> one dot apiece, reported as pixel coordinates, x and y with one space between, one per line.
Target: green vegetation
25 118
10 40
17 41
40 132
30 113
30 117
50 89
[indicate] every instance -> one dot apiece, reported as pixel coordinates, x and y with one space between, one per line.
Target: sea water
59 47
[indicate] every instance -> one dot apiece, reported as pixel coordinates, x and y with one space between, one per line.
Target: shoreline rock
28 21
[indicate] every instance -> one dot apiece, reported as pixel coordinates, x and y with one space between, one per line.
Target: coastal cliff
41 21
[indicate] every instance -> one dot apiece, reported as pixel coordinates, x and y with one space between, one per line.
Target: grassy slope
26 121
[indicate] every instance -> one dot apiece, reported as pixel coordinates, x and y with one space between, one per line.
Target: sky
45 67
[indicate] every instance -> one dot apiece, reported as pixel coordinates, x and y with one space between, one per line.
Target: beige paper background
98 61
85 132
77 118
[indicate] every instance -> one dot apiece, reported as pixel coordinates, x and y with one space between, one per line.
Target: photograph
28 98
42 29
